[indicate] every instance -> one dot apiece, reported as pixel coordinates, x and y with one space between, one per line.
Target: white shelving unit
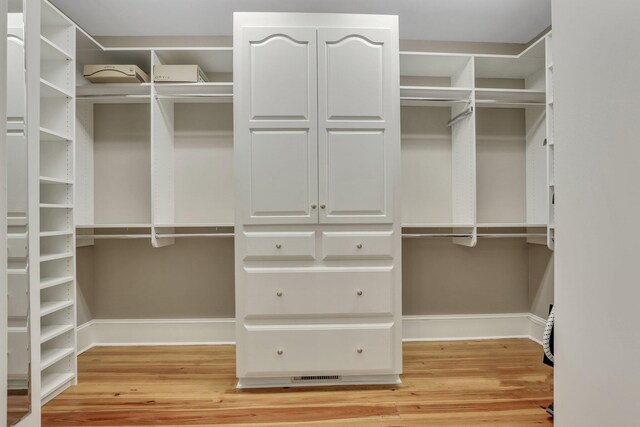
499 181
551 183
438 86
56 194
192 144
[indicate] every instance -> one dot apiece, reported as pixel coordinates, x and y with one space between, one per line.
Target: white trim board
136 332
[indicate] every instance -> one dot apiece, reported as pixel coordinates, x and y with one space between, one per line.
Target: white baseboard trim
123 332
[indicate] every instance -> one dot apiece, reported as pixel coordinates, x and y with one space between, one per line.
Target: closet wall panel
191 279
122 164
439 277
203 163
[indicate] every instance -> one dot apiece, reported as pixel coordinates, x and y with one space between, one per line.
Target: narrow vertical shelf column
551 183
57 309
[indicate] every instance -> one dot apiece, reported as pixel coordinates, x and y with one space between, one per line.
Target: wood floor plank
457 383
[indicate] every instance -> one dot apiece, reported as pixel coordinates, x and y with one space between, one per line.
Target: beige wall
129 279
541 280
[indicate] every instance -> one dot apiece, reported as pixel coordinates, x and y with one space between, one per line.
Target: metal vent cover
316 378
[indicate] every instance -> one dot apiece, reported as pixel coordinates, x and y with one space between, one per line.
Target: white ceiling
512 21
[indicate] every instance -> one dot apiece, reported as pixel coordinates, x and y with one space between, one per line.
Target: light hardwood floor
453 383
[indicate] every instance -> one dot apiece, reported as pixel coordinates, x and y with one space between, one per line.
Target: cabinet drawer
280 246
317 293
341 349
369 245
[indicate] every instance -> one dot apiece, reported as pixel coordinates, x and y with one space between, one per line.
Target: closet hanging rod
196 95
511 235
113 236
495 101
167 236
436 235
417 98
459 117
111 96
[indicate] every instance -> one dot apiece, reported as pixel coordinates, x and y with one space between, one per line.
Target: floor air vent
316 378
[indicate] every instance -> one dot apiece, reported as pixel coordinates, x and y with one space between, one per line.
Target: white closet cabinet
317 160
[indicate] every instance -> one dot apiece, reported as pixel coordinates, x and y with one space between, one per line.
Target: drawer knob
314 206
279 293
359 293
359 350
278 245
323 206
359 246
280 351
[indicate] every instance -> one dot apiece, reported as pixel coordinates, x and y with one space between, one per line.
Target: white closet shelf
52 136
53 257
18 236
510 225
193 92
56 206
52 381
50 90
17 326
194 225
17 221
432 64
51 180
114 93
84 226
210 59
56 233
50 307
501 98
50 282
17 268
49 332
436 225
432 95
49 51
51 356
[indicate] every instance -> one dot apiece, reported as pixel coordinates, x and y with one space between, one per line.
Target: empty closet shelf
119 93
50 307
510 225
56 206
49 51
221 91
49 282
509 97
53 257
52 381
49 332
53 355
50 90
51 180
48 135
56 233
435 94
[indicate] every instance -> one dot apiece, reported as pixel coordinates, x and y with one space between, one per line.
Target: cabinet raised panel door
357 134
276 113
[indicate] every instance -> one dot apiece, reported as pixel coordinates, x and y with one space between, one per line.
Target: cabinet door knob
280 351
359 350
359 293
323 206
278 245
279 293
314 206
359 246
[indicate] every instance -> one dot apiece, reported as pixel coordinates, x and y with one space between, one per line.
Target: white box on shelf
115 74
179 74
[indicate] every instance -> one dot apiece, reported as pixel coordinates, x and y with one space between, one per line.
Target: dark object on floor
550 410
